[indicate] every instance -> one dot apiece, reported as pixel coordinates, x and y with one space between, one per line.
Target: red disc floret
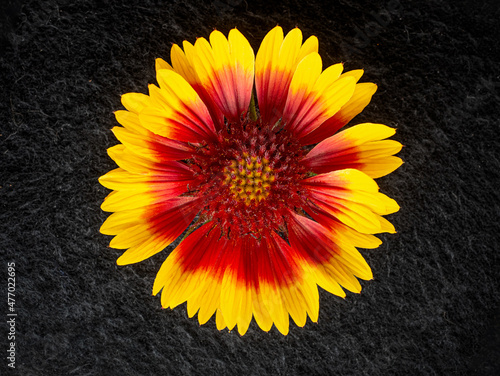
250 178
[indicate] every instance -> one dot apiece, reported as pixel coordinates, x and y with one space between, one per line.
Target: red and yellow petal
149 145
147 230
176 111
343 233
334 263
121 179
137 164
140 181
238 279
363 147
275 64
183 63
315 96
352 197
140 140
360 99
225 69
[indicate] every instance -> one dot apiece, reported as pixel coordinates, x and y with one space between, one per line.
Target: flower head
274 198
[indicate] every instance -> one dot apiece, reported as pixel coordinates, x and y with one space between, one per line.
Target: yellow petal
162 64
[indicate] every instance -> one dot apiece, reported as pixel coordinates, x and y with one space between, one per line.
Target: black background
432 308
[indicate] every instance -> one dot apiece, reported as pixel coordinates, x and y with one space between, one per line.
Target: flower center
249 178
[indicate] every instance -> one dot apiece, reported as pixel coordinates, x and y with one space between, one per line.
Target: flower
270 216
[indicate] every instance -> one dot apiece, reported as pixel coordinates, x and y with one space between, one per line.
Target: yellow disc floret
249 178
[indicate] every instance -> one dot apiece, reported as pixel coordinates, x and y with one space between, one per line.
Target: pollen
249 178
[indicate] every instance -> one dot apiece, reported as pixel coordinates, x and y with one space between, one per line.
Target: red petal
311 239
169 219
